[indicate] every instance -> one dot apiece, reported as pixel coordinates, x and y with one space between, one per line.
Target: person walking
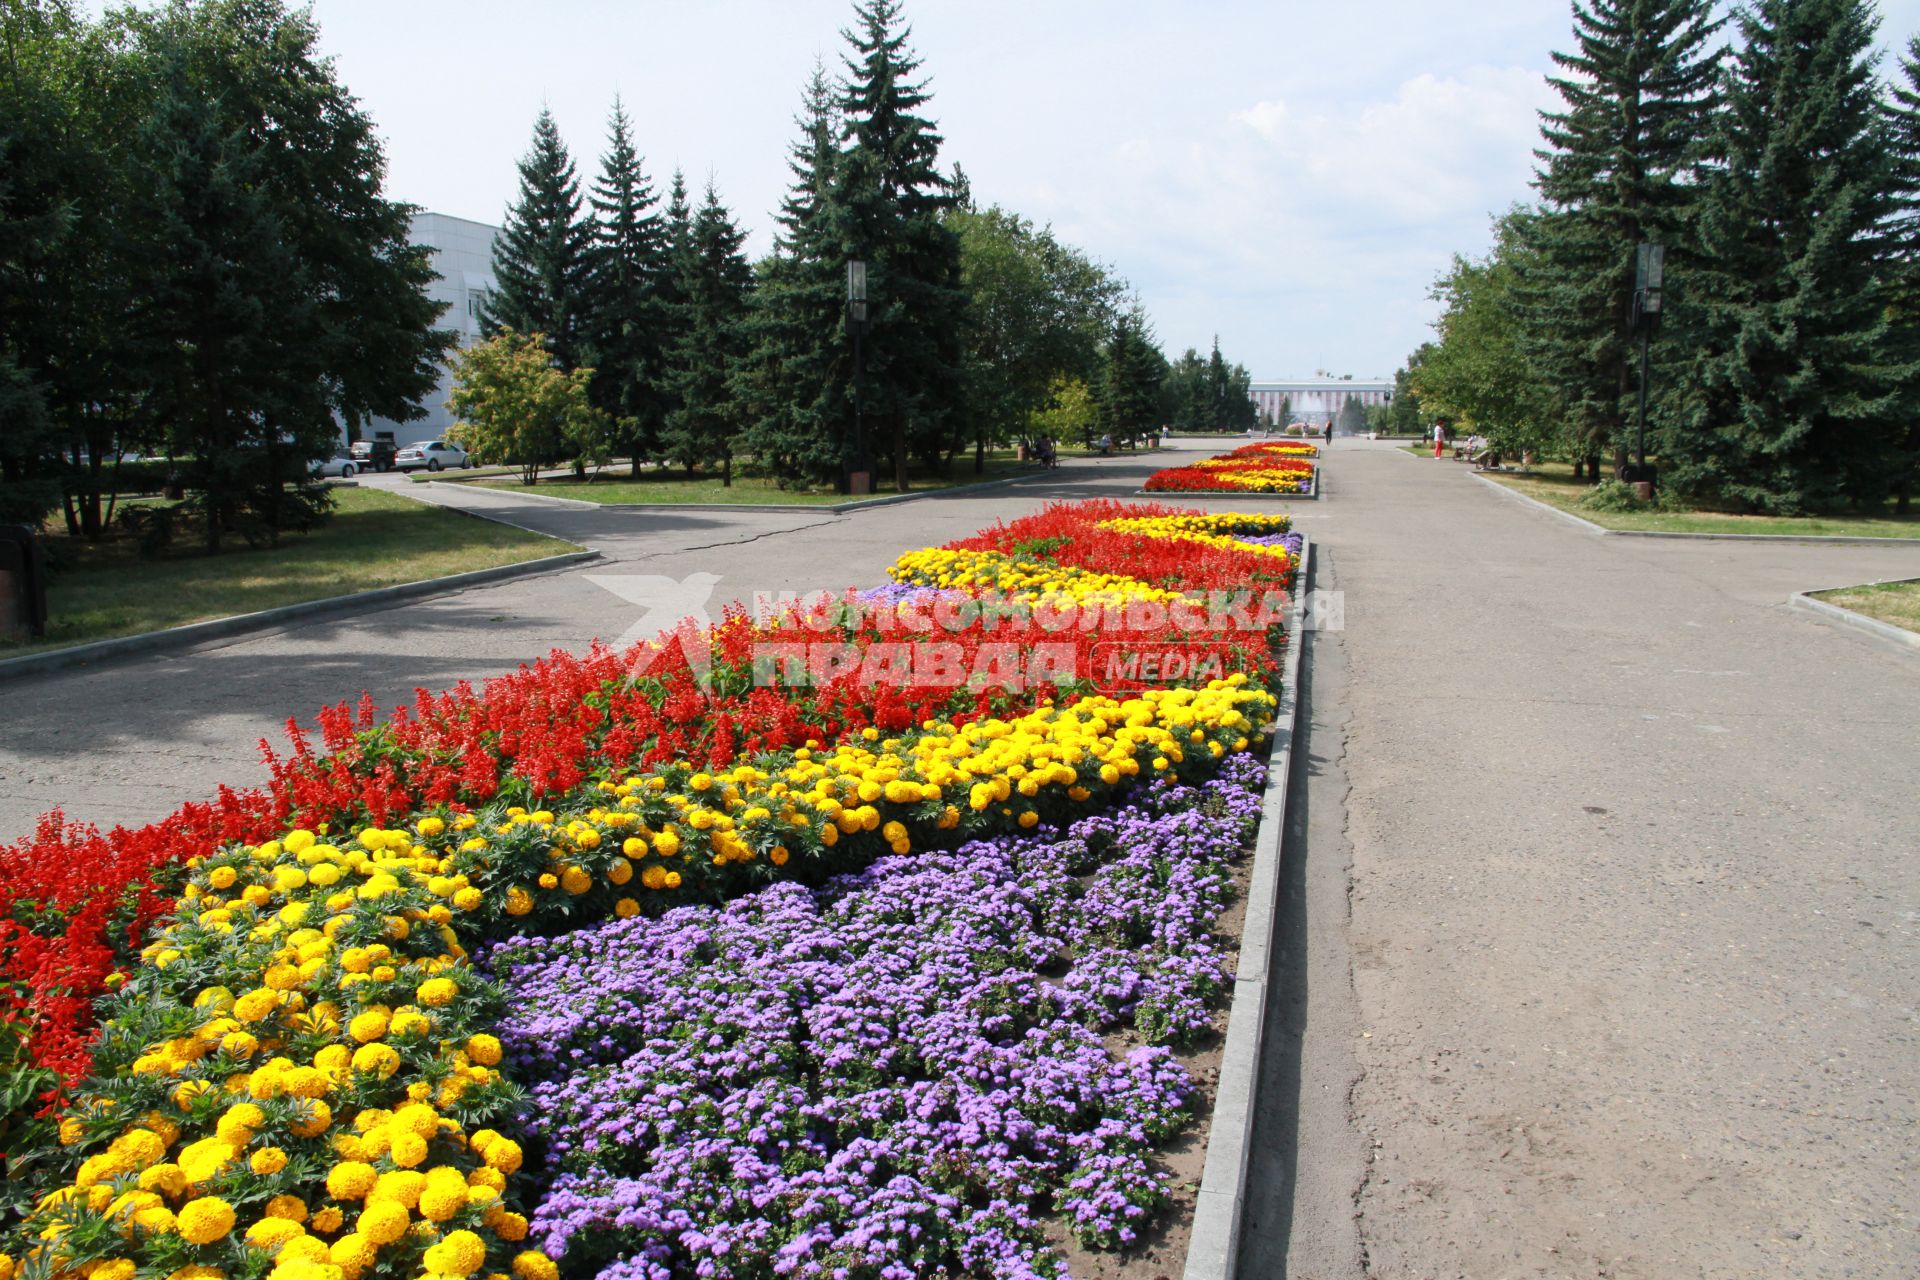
1439 437
1327 435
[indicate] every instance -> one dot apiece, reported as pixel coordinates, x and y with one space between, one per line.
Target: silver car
434 455
342 466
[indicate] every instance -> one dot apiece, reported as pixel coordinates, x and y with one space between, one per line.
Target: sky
1289 176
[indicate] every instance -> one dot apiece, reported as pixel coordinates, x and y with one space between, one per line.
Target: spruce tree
1901 268
794 384
711 342
543 258
1796 383
629 319
893 194
1616 169
1130 403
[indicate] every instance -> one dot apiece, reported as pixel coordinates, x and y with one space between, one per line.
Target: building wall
1314 400
463 257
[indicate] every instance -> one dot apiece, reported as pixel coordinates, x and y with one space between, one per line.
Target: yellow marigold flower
352 1253
292 1208
430 827
319 1116
271 1233
548 880
535 1266
626 908
511 1227
205 1220
328 1220
268 1161
416 1118
376 1059
409 1022
383 1222
402 1186
408 1150
109 1269
484 1049
197 1273
468 899
436 992
487 1177
257 1005
440 1202
503 1155
459 1253
167 1179
667 843
351 1180
673 879
369 1024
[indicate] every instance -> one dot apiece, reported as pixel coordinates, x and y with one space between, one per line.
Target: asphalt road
1629 851
1601 895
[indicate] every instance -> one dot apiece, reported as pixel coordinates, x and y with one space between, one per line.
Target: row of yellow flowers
299 1082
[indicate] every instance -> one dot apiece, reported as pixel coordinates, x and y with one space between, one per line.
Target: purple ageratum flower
830 1082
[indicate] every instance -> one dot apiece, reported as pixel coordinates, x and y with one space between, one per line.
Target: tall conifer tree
628 316
893 193
1616 170
543 258
1902 267
1796 382
713 284
794 384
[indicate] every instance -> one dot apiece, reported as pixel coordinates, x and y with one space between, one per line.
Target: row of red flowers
76 903
1271 466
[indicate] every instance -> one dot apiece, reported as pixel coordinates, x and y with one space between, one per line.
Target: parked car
434 455
343 466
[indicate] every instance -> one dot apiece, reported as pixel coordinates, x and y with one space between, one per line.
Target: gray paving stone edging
1219 1213
266 619
831 508
1835 539
1906 639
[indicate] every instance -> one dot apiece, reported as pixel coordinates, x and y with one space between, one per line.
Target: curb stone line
1855 619
1219 1213
1831 539
193 633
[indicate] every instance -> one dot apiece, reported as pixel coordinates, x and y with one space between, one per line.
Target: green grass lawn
375 539
1553 482
1895 602
673 486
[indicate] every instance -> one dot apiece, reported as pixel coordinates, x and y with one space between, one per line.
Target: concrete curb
1219 1213
1831 539
831 508
267 619
1905 639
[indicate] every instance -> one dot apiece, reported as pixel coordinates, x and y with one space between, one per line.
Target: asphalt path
1628 849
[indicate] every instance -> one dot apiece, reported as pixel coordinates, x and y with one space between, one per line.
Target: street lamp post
1649 268
860 478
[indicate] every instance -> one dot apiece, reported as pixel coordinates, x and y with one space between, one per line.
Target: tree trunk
899 454
1593 468
980 451
726 470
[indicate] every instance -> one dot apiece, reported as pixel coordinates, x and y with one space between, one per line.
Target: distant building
463 257
1317 398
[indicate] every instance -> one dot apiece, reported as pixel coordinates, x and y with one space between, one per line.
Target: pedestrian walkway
1633 906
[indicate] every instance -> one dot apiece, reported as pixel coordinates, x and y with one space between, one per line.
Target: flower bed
783 1085
1273 466
301 1078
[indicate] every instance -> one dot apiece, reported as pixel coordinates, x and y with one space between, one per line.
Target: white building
1316 399
463 257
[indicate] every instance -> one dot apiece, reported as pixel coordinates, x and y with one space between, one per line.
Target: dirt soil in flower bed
1163 1254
